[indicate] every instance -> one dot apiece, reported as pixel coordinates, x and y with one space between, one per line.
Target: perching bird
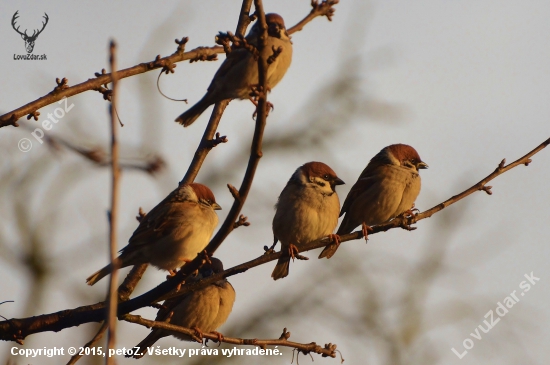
239 72
307 210
386 188
172 233
203 310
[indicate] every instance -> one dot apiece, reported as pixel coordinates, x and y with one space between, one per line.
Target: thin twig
112 297
99 157
98 336
325 8
124 291
328 351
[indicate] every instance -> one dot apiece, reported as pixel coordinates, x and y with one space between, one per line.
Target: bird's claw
293 253
334 238
171 274
407 217
198 332
410 212
220 337
366 229
255 94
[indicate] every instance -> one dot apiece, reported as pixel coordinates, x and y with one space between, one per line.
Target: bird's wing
362 184
234 58
162 221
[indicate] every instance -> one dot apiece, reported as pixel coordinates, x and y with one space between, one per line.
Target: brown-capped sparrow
386 188
307 210
239 72
203 310
172 233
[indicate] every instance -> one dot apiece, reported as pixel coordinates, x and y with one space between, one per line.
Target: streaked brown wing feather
161 221
234 58
364 182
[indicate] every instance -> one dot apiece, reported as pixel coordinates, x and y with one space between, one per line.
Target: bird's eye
326 177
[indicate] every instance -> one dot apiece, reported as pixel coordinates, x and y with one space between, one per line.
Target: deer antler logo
29 39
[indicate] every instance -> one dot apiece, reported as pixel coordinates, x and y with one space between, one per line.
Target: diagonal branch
199 53
98 336
325 8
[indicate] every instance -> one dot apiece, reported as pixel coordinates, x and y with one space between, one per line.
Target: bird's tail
141 348
192 114
281 269
98 275
329 250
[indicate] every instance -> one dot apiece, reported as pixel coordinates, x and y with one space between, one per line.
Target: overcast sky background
466 83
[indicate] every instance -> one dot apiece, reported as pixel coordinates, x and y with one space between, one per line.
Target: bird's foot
206 257
407 217
366 229
198 333
255 94
293 253
334 238
411 212
220 336
171 274
406 220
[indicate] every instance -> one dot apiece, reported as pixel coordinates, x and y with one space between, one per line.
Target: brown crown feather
275 18
203 192
403 152
317 169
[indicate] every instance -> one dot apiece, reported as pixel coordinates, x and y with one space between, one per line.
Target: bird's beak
338 181
422 165
216 206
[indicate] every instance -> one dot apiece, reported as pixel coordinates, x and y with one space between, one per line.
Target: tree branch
98 336
199 53
207 143
328 351
325 8
112 297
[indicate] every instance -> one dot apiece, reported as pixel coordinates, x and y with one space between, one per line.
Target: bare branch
325 8
149 164
207 142
328 351
98 336
112 297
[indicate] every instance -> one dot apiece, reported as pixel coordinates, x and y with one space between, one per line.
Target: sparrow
307 210
203 310
386 188
239 72
172 233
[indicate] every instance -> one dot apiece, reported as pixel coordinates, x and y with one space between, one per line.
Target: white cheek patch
323 185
